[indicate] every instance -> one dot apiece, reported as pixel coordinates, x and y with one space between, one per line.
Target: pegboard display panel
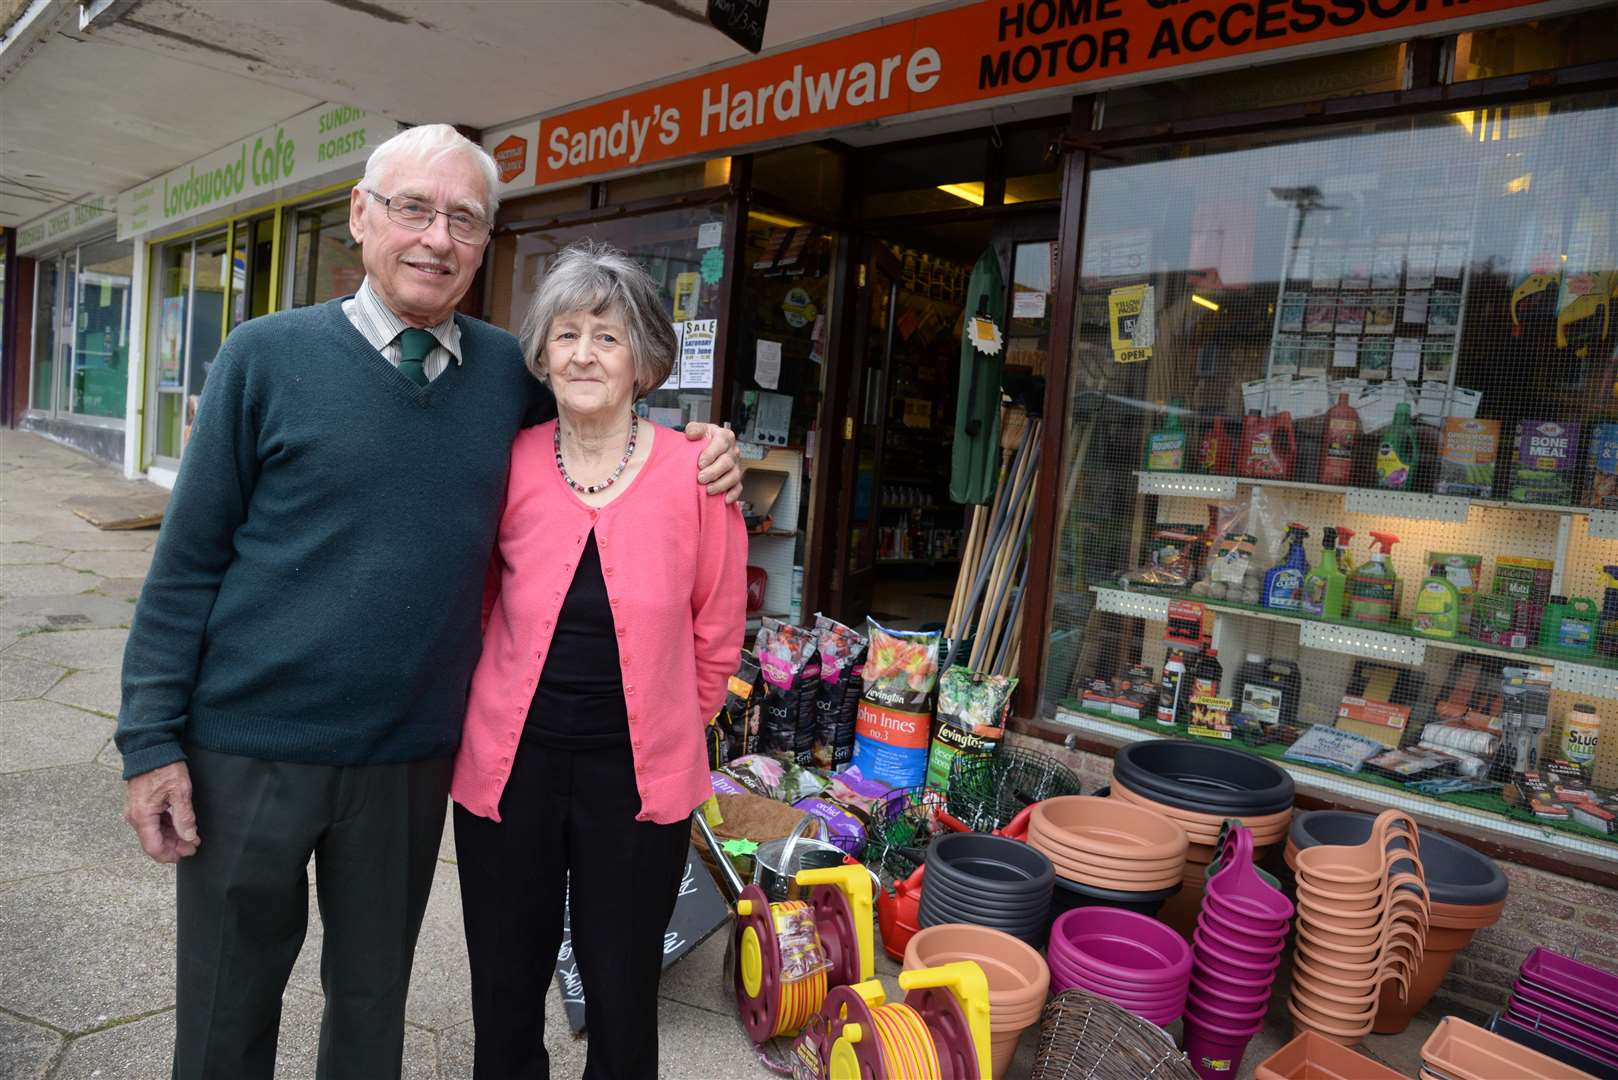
1401 328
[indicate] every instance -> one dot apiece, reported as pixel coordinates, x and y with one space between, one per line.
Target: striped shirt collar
381 326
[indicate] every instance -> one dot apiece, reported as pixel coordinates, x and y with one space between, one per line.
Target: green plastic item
1373 591
1396 453
1438 606
1324 586
1569 627
1165 447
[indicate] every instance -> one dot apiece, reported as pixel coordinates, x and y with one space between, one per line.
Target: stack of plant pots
1236 948
1457 1050
1468 894
1310 1057
986 880
1107 853
1017 975
1199 786
1130 959
1362 919
1570 1005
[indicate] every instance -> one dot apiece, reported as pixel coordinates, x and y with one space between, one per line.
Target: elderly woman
614 616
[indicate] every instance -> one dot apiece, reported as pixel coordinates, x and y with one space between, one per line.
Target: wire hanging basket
909 823
985 793
1083 1037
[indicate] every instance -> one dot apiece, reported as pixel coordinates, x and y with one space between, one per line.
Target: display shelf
775 550
1362 500
1598 678
1484 810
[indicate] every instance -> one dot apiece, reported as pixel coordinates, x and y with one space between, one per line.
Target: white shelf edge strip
1354 641
1133 605
1348 786
1187 485
1604 524
1406 504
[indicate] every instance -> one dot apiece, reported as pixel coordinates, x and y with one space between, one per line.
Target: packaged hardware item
1171 561
1467 451
1525 705
1499 621
1210 717
1602 817
1323 745
1267 691
773 778
842 652
1412 763
1529 791
790 664
971 720
1528 583
1545 462
895 711
1602 490
1135 695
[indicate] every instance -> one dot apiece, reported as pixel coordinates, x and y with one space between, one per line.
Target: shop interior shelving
775 550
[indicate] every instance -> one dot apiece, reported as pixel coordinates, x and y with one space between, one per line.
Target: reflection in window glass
101 352
683 250
1584 38
47 321
325 260
1421 305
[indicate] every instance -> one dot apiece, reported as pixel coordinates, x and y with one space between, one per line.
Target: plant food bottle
1438 605
1373 591
1342 428
1165 447
1396 453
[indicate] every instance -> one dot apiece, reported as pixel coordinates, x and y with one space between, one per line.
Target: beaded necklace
623 462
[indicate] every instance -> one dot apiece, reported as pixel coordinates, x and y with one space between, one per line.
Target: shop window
1363 71
810 177
189 321
1565 41
326 261
547 204
684 250
1404 331
676 181
49 324
100 379
942 174
251 262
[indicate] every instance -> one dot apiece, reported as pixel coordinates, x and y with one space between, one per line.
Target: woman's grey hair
598 278
429 143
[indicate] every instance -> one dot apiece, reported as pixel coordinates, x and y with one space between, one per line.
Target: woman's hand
720 463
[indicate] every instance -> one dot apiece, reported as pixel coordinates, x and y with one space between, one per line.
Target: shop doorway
899 535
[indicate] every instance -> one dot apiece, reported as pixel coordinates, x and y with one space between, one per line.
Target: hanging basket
1082 1037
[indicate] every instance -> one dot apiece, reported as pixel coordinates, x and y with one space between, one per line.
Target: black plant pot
1203 778
1455 873
1074 894
993 864
967 899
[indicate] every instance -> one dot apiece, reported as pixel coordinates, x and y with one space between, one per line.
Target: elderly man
299 661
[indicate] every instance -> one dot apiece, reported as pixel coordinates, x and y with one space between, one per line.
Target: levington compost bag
892 727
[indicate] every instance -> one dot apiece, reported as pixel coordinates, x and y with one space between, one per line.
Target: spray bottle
1322 593
1396 453
1283 584
1373 591
1345 557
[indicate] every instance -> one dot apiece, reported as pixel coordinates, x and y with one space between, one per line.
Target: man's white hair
428 143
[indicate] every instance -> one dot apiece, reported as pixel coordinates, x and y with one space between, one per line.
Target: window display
1341 455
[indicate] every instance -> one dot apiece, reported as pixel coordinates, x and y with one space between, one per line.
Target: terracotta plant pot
1018 979
1080 852
1457 1048
1313 1057
1101 827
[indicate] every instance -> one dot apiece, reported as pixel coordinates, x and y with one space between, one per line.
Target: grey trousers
373 831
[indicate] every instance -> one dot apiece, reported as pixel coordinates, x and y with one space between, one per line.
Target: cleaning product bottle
1316 583
1373 591
1607 632
1165 447
1569 626
1438 605
1396 453
1345 557
1342 428
1283 584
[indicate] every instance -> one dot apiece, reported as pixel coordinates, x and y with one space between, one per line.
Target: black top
579 702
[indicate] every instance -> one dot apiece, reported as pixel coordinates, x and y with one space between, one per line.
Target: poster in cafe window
170 340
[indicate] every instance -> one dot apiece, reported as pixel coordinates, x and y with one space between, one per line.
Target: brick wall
1542 908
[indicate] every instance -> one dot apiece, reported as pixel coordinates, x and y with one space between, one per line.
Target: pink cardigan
674 561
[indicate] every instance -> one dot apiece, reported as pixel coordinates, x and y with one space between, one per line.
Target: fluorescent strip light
1204 301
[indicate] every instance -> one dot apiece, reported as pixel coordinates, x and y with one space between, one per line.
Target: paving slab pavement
87 923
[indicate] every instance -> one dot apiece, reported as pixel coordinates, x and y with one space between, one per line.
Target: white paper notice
696 354
673 381
710 234
767 368
1346 353
1415 308
1407 358
1028 305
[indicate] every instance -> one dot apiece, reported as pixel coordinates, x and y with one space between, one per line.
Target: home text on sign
967 54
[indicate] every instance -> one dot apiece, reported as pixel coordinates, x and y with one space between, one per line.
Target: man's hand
157 806
720 462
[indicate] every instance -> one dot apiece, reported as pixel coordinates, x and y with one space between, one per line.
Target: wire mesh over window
1341 481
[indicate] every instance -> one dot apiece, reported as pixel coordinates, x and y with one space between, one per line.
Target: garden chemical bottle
1607 632
1342 429
1438 605
1205 680
1569 626
1165 447
1396 453
1345 557
1322 594
1268 446
1217 448
1373 591
1268 691
1283 585
1170 687
1581 737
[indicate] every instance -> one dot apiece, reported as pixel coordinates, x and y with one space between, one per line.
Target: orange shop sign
951 58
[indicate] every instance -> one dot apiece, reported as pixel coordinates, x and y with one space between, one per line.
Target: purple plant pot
1214 1055
1120 944
1256 949
1227 984
1230 1018
1142 987
1234 914
1243 935
1221 996
1228 962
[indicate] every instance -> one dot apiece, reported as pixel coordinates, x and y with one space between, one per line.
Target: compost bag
790 665
842 652
895 710
971 720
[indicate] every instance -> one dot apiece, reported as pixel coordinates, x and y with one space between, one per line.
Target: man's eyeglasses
418 216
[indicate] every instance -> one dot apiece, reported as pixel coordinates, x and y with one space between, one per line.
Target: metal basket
987 792
1083 1037
909 823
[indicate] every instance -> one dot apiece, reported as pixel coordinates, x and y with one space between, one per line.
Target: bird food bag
971 720
842 652
895 711
790 664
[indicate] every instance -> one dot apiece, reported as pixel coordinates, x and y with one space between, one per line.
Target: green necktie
414 345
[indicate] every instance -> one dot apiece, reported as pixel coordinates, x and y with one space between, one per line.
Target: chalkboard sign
698 912
742 21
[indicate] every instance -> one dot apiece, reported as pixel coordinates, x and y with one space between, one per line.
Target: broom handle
964 575
1005 561
1013 636
993 543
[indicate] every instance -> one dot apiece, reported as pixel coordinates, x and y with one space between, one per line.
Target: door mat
140 510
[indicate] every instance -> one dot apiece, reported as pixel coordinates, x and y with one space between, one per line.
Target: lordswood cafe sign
951 59
318 141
